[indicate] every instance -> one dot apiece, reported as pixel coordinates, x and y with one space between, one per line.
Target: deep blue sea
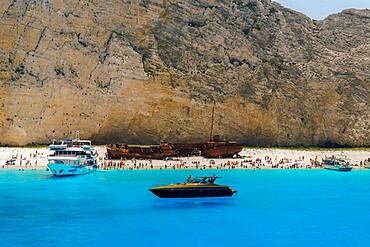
115 208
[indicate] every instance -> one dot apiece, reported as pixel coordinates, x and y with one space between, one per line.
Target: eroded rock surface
149 71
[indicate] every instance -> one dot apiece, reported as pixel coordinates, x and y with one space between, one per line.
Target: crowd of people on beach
203 164
31 158
22 160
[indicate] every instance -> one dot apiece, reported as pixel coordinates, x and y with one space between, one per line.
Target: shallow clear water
115 208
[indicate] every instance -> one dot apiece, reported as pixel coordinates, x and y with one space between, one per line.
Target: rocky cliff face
150 70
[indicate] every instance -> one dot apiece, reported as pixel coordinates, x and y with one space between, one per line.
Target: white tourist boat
72 157
339 163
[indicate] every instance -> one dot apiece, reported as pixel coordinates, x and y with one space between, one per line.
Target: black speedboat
194 187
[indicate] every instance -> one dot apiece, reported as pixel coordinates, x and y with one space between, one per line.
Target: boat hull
221 152
192 192
124 151
60 170
220 149
337 168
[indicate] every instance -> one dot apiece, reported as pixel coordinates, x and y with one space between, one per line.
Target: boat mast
213 113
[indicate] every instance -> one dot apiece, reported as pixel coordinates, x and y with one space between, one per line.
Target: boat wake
102 170
184 203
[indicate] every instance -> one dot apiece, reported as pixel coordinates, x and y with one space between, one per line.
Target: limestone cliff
150 70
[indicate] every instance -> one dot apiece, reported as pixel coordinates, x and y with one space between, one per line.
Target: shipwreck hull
124 151
212 149
189 149
221 153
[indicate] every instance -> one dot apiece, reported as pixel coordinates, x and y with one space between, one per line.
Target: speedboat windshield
203 180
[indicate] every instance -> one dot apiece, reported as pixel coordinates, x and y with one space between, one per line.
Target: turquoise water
115 208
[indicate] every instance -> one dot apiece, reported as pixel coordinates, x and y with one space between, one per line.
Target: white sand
36 158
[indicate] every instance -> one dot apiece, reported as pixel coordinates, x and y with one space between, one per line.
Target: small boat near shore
72 157
339 163
194 187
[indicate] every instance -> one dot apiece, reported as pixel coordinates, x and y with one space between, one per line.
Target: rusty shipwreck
216 147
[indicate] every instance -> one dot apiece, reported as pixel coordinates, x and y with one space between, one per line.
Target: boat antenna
77 135
213 113
53 137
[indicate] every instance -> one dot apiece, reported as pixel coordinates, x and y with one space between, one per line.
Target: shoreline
252 158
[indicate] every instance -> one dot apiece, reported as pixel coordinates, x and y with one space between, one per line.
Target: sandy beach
256 158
